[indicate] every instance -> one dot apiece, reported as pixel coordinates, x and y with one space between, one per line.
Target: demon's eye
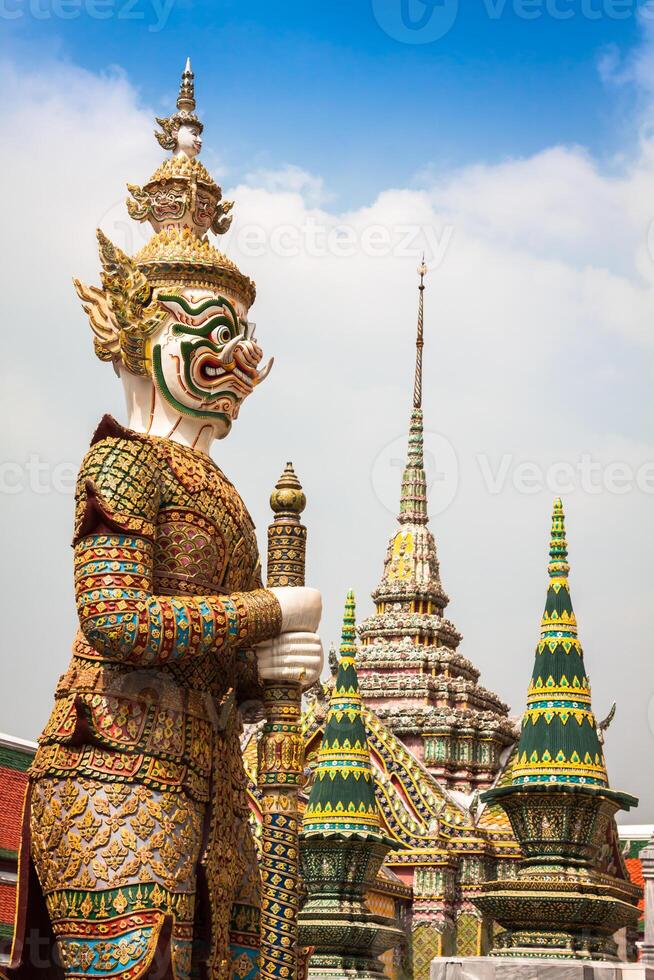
222 335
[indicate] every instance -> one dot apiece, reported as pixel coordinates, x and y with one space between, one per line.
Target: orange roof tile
12 794
7 903
635 869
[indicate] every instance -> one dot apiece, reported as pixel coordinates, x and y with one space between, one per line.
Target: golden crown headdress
182 202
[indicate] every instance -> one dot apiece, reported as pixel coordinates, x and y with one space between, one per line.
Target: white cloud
539 350
633 67
293 179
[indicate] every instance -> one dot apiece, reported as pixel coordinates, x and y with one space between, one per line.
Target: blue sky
331 88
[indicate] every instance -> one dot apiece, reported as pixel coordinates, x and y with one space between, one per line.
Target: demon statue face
204 358
193 343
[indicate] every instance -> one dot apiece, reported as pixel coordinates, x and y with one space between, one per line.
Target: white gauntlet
294 657
301 608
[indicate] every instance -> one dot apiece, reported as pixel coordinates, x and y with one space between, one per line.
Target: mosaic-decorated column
281 753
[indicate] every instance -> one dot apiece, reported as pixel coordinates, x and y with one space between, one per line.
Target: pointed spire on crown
186 97
413 497
559 741
342 799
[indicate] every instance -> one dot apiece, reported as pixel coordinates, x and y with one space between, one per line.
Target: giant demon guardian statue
137 857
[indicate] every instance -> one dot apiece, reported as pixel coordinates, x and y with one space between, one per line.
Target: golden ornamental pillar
281 754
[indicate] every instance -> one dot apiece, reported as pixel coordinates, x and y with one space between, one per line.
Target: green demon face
204 357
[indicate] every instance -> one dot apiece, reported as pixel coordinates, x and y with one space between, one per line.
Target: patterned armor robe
136 818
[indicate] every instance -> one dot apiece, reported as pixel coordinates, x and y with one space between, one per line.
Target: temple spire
342 799
559 742
410 669
342 844
413 498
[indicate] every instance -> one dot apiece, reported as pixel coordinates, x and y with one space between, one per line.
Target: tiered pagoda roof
559 742
571 894
411 672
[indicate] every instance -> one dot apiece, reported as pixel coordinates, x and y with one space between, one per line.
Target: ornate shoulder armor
118 483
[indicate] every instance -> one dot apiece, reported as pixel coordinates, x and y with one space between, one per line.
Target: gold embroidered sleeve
118 496
122 619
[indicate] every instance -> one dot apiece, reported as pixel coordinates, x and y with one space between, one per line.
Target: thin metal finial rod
420 343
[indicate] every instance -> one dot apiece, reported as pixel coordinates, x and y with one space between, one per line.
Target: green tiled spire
413 497
559 742
342 799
